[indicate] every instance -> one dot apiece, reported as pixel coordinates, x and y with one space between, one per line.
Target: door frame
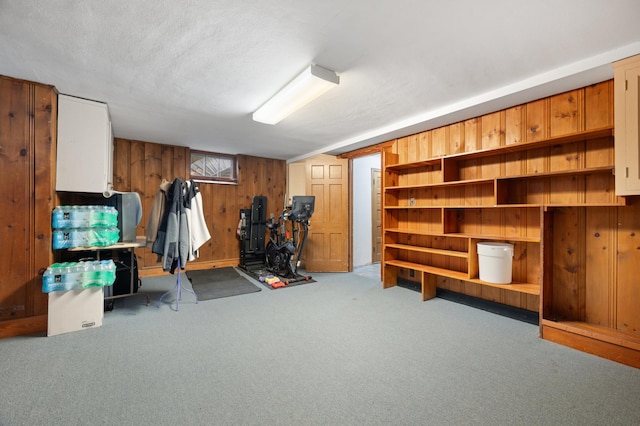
362 152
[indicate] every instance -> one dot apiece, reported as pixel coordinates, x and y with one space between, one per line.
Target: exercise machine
288 236
280 254
251 231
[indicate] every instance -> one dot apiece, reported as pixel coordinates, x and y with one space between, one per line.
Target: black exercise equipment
251 231
287 237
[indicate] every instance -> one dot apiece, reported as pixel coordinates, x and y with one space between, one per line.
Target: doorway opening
366 214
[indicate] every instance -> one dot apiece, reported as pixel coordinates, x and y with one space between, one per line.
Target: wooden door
376 217
327 248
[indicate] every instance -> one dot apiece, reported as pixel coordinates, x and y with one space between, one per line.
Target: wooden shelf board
430 250
414 164
527 288
523 146
431 269
541 175
415 232
411 207
441 184
622 202
463 207
585 171
497 237
597 332
460 235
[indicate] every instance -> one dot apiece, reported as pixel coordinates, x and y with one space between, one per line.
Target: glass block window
212 167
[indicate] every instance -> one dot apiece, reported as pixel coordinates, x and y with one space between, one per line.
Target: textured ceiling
192 72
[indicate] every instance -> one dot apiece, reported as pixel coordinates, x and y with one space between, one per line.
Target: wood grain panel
181 162
402 149
121 164
514 163
599 266
424 145
438 142
514 125
628 258
27 153
15 135
537 161
455 138
45 130
568 240
471 135
156 167
492 130
413 149
531 257
566 113
159 164
537 123
599 105
599 153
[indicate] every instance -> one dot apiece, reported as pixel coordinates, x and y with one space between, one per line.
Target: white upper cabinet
85 146
627 135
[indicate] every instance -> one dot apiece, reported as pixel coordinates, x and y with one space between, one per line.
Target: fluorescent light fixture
311 83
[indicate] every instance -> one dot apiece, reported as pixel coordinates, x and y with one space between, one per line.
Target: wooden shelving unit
541 177
436 210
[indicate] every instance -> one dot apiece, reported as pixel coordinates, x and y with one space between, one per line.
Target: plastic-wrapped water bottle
66 217
109 272
72 275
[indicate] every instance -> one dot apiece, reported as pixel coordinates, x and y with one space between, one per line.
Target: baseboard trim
23 326
191 266
476 302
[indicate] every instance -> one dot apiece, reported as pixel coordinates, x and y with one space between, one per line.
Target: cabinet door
85 146
627 137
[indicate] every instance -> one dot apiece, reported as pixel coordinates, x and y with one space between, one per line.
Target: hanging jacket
172 241
157 212
198 231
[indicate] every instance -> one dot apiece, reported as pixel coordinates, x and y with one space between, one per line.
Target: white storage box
495 262
75 310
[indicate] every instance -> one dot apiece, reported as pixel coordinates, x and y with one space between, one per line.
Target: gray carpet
342 351
219 282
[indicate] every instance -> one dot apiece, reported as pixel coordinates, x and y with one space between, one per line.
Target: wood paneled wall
594 253
141 167
27 153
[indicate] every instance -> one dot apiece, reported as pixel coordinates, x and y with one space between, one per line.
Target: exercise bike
288 236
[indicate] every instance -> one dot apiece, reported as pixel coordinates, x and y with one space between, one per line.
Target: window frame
214 179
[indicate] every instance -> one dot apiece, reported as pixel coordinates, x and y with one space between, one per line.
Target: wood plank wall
141 167
27 153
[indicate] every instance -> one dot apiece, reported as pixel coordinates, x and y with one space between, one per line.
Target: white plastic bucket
494 261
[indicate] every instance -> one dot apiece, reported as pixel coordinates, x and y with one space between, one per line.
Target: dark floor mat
219 282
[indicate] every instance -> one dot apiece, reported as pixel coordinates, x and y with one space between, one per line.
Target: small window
212 167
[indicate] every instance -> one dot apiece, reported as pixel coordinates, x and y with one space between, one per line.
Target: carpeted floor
342 351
